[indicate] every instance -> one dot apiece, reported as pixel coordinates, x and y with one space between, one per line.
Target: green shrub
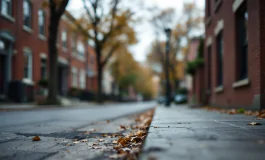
43 83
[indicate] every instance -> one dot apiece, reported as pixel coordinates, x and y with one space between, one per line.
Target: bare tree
57 8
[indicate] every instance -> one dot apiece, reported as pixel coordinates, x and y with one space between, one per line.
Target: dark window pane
27 13
220 59
242 42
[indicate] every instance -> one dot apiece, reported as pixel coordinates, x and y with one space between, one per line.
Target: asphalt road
65 119
58 127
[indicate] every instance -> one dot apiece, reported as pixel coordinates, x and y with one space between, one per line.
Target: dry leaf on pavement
36 138
254 123
101 140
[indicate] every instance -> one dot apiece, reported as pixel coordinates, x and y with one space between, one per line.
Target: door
2 73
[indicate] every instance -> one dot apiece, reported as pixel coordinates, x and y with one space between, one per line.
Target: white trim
209 41
8 17
27 29
27 49
219 27
219 89
27 52
43 55
74 69
237 4
62 60
42 37
241 83
28 81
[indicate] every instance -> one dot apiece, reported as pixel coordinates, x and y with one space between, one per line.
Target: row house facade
24 51
234 53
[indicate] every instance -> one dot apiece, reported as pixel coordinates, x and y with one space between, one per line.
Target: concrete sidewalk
187 134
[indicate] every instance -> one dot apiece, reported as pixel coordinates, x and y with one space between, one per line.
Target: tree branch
88 12
111 52
113 13
62 7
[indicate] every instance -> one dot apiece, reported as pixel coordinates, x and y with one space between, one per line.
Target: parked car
180 98
161 99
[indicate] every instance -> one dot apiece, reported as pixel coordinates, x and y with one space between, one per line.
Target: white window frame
27 28
82 79
81 50
74 77
64 39
28 53
44 56
237 4
5 11
41 16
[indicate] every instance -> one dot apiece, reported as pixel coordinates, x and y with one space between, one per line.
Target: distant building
235 53
24 51
190 81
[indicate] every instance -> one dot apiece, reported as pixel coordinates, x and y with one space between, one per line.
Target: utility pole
168 90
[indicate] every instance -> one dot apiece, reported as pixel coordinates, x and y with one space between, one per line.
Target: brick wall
245 96
38 45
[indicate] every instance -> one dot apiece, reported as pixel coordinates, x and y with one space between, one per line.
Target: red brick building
24 50
235 53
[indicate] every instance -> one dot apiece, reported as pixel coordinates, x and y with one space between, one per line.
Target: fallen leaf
101 140
76 142
254 123
136 139
122 126
114 142
95 143
36 138
156 127
108 121
116 147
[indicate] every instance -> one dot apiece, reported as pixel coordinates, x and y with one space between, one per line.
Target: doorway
2 73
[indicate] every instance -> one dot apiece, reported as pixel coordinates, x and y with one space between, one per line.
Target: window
41 15
74 77
73 42
219 51
27 13
82 79
80 49
6 7
64 39
209 67
28 65
43 66
242 42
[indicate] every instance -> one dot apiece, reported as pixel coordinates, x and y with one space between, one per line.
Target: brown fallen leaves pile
258 114
129 146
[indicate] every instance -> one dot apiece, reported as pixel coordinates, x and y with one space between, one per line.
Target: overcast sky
145 33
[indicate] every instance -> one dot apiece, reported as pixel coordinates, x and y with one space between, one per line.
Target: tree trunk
53 28
99 94
99 75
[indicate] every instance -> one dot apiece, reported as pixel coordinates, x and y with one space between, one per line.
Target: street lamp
168 90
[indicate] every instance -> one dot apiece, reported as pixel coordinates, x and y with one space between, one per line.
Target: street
58 120
57 129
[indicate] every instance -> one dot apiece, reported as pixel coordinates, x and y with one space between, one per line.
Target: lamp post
168 90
